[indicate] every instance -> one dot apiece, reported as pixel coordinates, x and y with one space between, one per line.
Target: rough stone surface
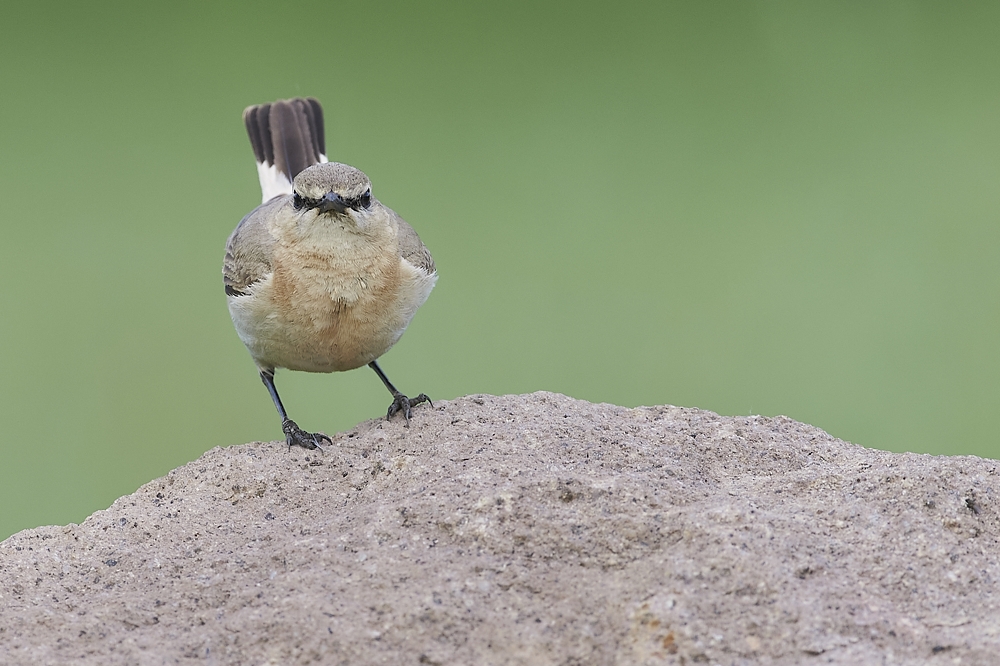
530 529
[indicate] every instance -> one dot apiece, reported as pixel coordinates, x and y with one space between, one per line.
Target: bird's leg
293 433
400 403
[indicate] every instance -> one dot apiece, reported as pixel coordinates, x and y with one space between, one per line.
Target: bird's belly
310 331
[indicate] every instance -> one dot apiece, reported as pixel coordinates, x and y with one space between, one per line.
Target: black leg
400 403
293 433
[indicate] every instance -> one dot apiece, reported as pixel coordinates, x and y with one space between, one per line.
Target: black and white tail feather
287 137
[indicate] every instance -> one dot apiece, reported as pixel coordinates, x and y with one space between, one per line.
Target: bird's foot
400 403
295 435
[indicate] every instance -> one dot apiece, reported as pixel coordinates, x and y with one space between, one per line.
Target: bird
321 276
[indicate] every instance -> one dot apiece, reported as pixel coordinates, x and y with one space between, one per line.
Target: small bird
321 277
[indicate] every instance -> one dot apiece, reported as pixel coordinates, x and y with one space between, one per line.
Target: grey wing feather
410 246
249 250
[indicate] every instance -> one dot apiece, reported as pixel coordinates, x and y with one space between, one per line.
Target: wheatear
321 277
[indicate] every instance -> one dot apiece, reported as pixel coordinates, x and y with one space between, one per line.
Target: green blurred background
749 207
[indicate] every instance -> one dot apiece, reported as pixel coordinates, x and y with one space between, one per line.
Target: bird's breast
323 310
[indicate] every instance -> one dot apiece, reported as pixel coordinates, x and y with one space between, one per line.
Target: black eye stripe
362 201
299 202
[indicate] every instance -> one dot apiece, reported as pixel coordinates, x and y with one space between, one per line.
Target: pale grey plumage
249 250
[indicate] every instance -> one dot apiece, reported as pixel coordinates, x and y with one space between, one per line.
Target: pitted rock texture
531 529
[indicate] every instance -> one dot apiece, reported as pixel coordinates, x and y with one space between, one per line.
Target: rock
531 529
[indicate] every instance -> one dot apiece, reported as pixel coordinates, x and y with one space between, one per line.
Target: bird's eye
365 200
300 202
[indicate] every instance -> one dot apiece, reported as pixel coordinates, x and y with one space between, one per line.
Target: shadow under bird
321 277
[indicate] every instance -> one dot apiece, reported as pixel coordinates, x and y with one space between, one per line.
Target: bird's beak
332 201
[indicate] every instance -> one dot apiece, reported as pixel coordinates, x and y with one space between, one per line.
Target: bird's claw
400 403
296 436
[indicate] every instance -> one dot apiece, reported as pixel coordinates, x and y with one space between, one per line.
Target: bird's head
334 189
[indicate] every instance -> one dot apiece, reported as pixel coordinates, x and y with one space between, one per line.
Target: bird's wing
249 250
287 136
410 246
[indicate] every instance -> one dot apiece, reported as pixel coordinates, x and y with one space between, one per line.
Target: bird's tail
287 137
